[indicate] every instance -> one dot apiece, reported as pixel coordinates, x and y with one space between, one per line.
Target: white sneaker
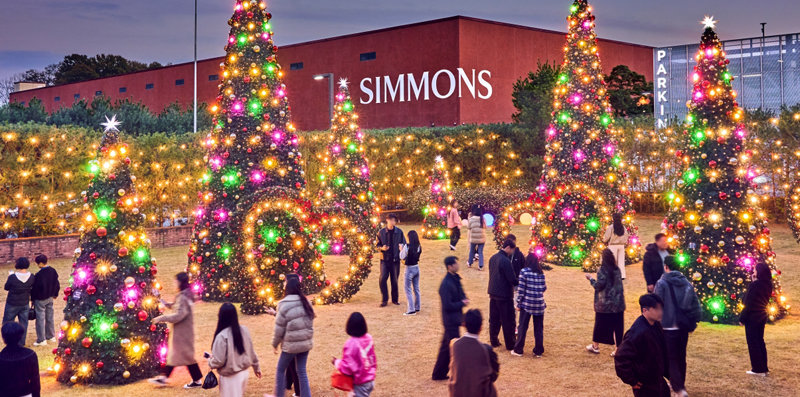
53 339
515 354
761 374
42 343
592 349
192 385
160 381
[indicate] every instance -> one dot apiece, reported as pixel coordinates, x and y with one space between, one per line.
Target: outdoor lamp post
328 76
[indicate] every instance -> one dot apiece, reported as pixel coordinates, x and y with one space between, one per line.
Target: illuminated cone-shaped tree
583 181
435 223
345 173
715 221
245 239
107 336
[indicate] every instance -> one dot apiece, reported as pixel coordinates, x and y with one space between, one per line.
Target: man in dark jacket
501 296
653 260
19 366
453 301
390 241
474 366
45 288
641 360
672 288
517 257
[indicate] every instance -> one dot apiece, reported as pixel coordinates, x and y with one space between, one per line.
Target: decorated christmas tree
435 223
583 181
251 228
714 220
107 336
345 172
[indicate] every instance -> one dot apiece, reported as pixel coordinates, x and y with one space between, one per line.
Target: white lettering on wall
407 87
662 90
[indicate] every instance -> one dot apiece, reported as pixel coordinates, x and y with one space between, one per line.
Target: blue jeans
21 314
364 389
475 248
412 279
280 375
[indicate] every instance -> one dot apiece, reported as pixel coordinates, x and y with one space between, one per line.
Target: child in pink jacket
358 356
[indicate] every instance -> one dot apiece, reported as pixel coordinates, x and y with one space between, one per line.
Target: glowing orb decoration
526 219
489 219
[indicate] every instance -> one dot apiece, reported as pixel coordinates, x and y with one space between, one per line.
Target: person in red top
358 356
454 224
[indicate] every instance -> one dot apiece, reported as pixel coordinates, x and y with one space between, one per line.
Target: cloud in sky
36 33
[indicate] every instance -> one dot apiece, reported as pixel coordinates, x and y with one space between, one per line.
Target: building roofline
351 35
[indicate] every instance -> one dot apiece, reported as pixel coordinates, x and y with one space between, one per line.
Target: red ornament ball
122 252
86 342
99 365
142 315
91 289
68 351
101 232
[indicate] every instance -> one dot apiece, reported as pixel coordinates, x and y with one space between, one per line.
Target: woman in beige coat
616 237
294 334
232 353
477 236
181 348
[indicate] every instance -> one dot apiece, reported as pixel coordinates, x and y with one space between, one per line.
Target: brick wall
64 245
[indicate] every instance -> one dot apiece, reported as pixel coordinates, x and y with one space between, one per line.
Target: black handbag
32 313
210 381
681 319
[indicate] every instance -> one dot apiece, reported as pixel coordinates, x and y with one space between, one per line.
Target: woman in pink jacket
358 356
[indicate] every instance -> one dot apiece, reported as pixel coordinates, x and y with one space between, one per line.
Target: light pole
328 76
195 67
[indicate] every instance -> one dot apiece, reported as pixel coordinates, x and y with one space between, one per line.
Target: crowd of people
650 356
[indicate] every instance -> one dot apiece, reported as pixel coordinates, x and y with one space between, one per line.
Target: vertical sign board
661 58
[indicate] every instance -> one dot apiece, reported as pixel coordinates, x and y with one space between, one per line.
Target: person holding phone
232 353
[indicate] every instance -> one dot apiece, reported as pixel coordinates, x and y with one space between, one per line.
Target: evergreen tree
251 228
435 223
583 181
107 336
714 219
345 172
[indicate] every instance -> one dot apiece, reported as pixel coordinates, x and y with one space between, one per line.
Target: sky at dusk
36 33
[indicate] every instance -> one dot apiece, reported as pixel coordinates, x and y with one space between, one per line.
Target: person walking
477 236
232 353
609 305
45 289
453 301
616 237
358 356
19 366
412 273
181 348
682 312
754 317
390 241
501 296
530 304
19 285
474 366
294 334
653 260
641 360
454 224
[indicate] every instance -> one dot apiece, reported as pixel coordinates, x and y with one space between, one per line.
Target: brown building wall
64 246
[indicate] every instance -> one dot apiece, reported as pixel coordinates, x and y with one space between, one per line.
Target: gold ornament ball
73 379
126 374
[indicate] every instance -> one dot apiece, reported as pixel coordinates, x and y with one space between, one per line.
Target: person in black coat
653 260
517 257
501 296
453 301
45 288
754 317
19 366
390 241
641 360
19 285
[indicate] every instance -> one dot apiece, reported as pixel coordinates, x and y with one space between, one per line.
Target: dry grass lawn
406 346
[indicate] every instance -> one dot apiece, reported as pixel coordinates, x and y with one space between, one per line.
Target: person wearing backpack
682 312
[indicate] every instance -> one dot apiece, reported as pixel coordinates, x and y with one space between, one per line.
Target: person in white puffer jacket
294 334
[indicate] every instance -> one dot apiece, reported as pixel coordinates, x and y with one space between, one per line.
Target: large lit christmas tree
435 222
107 336
583 181
714 220
251 227
345 173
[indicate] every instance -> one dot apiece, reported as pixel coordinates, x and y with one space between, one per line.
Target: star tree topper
343 83
709 22
112 124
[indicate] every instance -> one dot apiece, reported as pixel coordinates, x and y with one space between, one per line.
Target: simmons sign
442 84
